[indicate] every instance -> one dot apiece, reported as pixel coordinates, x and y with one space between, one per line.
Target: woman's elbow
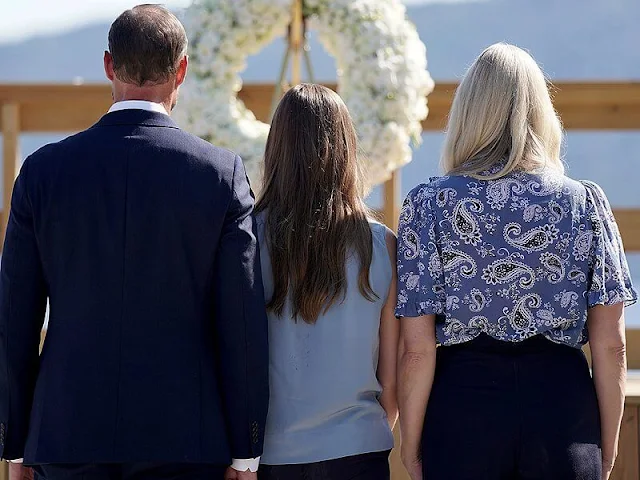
609 351
617 350
416 360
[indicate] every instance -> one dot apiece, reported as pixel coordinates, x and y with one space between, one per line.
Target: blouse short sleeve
610 278
421 288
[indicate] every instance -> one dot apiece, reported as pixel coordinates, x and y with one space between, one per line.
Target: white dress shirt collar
138 105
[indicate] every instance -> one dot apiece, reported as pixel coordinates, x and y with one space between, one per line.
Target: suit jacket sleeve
22 308
241 323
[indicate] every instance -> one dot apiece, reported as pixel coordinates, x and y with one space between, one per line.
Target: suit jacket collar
136 117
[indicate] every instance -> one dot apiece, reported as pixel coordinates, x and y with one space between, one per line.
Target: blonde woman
511 267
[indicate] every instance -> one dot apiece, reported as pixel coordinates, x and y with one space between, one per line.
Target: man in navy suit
141 237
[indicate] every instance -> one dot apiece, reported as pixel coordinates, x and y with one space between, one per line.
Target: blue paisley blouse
515 257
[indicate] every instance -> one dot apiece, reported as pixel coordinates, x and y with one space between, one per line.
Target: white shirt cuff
244 464
17 460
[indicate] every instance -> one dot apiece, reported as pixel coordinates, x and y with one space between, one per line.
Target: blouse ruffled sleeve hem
620 294
418 309
610 278
420 274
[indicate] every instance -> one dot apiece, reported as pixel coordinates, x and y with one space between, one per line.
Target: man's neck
162 94
166 103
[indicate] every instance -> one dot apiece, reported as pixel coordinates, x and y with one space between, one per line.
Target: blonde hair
502 112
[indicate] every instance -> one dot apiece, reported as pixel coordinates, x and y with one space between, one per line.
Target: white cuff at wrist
244 464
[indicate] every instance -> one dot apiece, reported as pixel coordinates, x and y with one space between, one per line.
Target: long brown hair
311 193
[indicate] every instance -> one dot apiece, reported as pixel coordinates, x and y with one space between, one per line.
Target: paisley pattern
535 240
553 267
412 242
507 270
556 213
499 191
444 196
582 245
477 300
526 254
578 277
464 223
545 185
452 260
532 212
521 318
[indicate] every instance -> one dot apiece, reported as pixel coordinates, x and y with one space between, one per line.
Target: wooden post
627 464
296 40
10 158
391 210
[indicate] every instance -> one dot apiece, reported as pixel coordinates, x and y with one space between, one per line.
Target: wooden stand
296 40
11 158
391 208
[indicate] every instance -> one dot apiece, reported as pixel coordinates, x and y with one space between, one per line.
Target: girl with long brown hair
329 276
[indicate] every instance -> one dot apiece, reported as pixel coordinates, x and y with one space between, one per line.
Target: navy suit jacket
142 238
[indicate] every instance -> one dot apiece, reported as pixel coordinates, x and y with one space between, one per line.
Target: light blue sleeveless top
324 390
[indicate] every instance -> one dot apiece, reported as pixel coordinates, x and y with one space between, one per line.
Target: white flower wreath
381 63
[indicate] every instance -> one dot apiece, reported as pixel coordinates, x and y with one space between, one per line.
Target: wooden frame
581 105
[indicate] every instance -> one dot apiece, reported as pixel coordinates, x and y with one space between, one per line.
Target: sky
21 19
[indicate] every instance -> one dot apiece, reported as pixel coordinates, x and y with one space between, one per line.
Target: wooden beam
61 117
632 390
584 105
628 220
628 461
296 38
46 93
10 158
392 191
633 348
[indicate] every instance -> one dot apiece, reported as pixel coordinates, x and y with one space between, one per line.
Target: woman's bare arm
416 370
609 361
389 334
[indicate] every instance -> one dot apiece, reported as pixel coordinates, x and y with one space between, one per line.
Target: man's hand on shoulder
233 474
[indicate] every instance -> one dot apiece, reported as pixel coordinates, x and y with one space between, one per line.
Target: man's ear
108 66
181 73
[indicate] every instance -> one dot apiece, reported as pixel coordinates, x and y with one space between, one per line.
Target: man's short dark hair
146 43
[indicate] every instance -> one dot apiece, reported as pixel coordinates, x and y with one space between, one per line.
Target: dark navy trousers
502 410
